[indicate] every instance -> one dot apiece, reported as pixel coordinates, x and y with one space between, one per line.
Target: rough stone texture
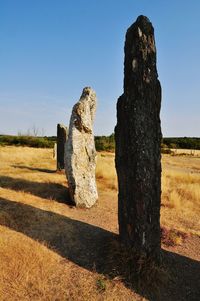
80 153
138 138
61 140
55 151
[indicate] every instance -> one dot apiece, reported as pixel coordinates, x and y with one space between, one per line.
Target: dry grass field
50 250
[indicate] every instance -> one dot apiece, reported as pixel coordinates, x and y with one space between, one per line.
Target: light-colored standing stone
55 151
80 153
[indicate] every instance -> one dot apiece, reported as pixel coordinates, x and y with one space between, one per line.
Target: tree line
182 142
102 143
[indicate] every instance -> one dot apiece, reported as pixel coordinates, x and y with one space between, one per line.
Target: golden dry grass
190 152
180 189
105 170
29 270
44 242
181 194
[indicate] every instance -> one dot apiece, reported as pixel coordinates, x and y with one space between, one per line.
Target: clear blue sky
51 49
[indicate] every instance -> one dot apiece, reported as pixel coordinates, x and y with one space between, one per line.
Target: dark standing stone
61 140
138 139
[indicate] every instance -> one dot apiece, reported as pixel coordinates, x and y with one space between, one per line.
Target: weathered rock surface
80 153
138 138
55 151
61 140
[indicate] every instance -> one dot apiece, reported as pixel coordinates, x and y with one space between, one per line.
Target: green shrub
182 142
40 142
105 143
102 143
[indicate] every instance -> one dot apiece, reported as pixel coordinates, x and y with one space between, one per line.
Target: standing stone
80 153
61 140
55 151
138 139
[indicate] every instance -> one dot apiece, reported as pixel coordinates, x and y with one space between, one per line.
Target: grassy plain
50 250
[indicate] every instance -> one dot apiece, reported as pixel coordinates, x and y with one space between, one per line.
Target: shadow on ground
50 191
86 245
34 168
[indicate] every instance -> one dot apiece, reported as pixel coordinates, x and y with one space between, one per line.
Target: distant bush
166 151
182 142
105 143
102 143
40 142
